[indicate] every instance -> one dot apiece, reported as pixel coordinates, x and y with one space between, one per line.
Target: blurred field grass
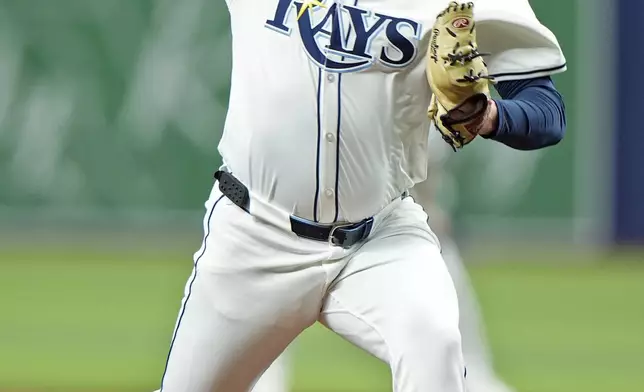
100 320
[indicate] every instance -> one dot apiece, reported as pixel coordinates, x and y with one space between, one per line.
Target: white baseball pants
481 376
256 286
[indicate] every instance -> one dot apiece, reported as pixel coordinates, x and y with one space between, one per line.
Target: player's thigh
241 308
400 268
396 300
403 299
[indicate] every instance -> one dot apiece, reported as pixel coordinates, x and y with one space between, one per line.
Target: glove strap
468 111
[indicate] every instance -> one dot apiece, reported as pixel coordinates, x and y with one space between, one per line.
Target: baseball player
327 130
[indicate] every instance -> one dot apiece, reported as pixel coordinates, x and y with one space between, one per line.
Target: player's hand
458 77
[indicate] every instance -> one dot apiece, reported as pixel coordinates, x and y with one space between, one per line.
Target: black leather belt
344 235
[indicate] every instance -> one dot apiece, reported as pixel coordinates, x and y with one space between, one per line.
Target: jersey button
330 77
328 192
330 137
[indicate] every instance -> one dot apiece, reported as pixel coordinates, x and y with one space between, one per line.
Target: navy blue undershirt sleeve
531 114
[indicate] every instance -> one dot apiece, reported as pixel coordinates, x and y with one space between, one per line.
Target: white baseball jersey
327 114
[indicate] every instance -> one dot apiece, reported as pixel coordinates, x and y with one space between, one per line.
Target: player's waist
343 234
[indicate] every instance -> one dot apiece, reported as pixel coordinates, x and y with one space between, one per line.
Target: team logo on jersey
339 38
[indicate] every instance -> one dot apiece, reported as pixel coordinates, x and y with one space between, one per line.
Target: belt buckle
336 227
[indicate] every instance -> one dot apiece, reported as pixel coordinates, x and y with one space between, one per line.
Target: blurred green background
110 112
100 319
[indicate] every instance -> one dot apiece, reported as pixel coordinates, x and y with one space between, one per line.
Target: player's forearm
530 115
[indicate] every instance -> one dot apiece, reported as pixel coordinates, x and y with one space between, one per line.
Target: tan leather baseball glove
457 75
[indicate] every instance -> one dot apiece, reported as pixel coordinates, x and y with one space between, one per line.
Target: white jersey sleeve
520 47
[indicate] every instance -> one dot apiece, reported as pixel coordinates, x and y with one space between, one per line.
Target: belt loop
367 228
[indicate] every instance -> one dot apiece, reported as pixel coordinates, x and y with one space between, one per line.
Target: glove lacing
458 57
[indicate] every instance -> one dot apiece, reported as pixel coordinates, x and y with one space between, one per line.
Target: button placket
328 149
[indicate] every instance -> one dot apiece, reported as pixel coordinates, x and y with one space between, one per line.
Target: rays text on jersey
345 38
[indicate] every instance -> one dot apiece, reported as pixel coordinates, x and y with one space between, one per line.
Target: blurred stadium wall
628 184
110 113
